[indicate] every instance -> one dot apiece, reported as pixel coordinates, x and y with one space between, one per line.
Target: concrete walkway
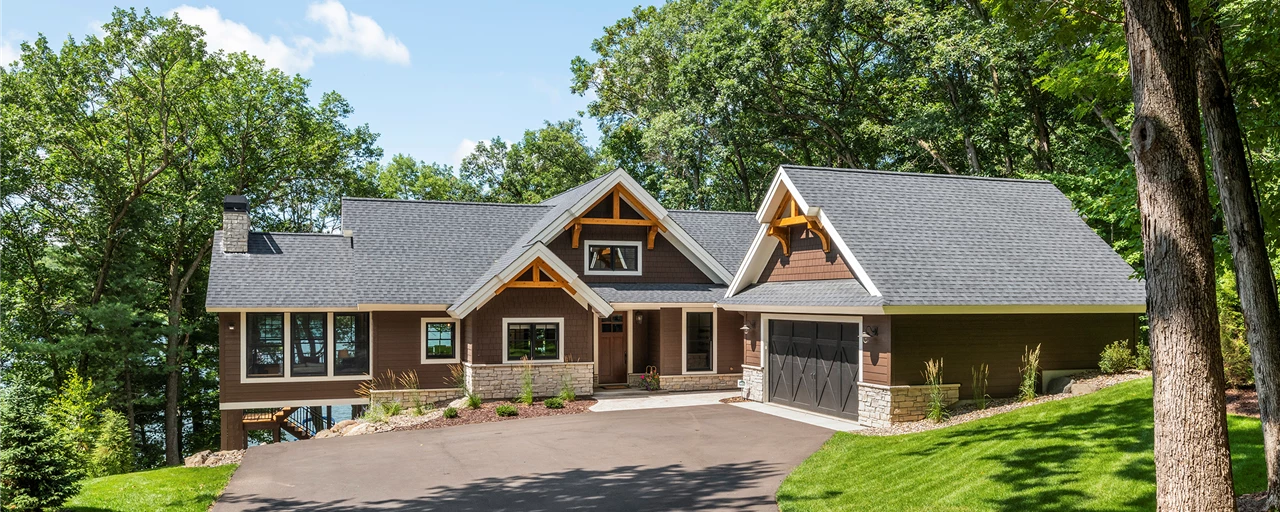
793 414
661 400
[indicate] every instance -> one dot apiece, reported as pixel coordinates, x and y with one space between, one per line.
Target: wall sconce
870 332
639 317
231 326
747 326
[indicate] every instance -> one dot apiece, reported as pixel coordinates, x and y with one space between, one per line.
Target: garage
814 365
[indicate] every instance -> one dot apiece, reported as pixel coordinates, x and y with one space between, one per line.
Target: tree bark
1255 279
1192 457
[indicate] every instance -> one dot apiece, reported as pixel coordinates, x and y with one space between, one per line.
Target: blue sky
431 78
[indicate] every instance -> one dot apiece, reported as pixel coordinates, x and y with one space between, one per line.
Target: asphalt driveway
707 457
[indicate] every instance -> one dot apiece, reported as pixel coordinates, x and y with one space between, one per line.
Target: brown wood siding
670 342
230 389
729 341
654 319
1067 341
876 350
486 340
807 262
662 264
397 346
751 345
640 340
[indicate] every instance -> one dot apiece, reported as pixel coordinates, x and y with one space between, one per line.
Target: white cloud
347 33
464 149
351 32
8 53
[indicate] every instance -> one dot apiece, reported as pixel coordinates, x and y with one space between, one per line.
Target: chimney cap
235 204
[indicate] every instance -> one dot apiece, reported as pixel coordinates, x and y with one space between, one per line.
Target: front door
613 349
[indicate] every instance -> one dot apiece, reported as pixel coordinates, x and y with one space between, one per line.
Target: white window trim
586 258
764 340
288 360
457 339
559 343
684 340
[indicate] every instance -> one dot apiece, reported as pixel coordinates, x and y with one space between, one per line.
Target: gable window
439 341
698 341
537 339
350 343
310 345
265 340
613 258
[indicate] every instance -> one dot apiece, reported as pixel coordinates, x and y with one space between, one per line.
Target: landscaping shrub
1143 360
379 412
113 449
526 384
38 469
1236 362
450 412
649 381
474 400
567 393
506 410
74 413
980 397
419 407
1117 358
553 403
1030 368
937 411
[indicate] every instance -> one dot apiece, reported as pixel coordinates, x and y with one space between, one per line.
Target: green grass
1088 453
176 488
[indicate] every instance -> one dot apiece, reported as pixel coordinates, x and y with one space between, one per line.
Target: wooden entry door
613 349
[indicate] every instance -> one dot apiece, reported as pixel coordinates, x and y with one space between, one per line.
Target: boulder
196 459
363 428
343 425
1059 385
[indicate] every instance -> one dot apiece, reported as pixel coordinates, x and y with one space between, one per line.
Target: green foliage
980 374
419 407
650 381
567 394
450 412
113 449
379 412
1142 360
1117 357
526 384
474 400
38 466
506 410
544 163
936 410
553 403
161 490
1030 370
74 411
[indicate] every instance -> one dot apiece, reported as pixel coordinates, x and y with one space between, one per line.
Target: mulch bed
1243 402
486 413
734 400
1255 502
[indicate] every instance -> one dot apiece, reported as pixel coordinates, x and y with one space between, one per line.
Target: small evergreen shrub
450 412
38 469
474 400
506 410
113 449
553 403
1143 360
1030 368
567 394
74 412
980 374
937 411
1117 358
526 384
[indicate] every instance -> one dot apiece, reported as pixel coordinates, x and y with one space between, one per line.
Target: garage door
814 365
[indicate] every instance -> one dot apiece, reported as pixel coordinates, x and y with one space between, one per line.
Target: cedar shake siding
662 264
807 262
486 339
640 340
231 390
397 346
728 346
751 346
1067 342
654 318
671 341
877 350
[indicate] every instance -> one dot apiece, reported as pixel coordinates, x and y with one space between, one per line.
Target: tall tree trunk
1254 276
1193 460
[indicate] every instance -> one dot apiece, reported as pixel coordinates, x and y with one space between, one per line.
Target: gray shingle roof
726 235
948 240
660 292
294 269
831 293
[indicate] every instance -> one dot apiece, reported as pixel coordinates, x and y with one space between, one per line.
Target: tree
542 164
37 467
1255 279
1193 459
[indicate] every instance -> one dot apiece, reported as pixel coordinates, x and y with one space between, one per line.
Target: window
439 341
615 258
697 341
535 339
351 344
264 355
310 345
615 323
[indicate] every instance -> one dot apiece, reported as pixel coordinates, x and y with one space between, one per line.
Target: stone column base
881 406
503 380
753 377
706 382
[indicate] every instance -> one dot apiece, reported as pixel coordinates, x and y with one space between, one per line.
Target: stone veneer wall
699 382
753 376
881 406
503 380
412 397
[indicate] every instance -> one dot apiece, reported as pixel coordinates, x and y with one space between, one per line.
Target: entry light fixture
639 317
747 326
871 332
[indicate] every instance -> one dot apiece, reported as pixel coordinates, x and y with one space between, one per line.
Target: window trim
559 342
457 339
586 258
684 340
288 364
244 347
333 343
328 344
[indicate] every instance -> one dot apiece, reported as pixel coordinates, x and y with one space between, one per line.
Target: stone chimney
235 224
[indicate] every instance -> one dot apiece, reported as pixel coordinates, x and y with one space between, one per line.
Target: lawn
1086 453
176 488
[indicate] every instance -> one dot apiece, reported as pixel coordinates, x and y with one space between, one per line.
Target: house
830 297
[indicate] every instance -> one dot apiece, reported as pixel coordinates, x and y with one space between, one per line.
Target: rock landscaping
209 459
963 412
434 418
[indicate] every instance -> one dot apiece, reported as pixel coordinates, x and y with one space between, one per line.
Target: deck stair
297 421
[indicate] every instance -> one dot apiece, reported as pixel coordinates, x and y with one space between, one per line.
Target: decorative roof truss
543 276
617 194
788 215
